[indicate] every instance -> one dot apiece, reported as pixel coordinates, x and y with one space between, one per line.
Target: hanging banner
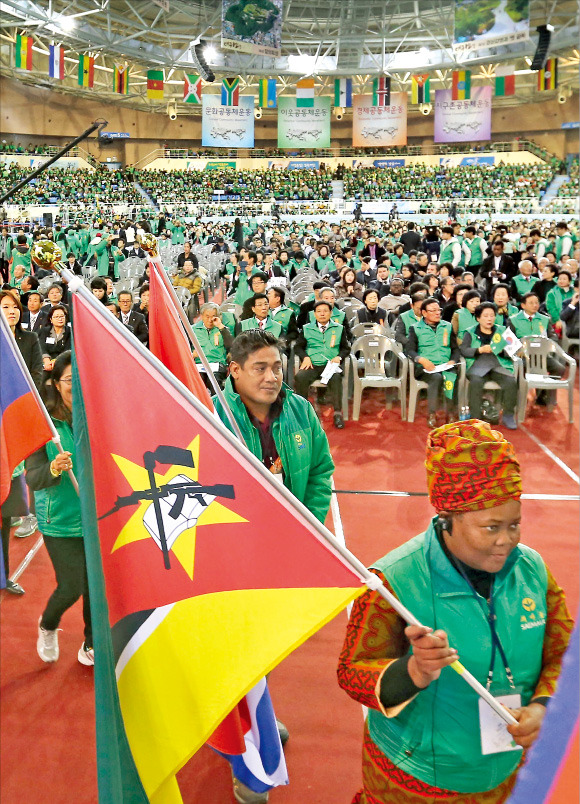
379 125
227 126
465 120
252 26
303 128
490 23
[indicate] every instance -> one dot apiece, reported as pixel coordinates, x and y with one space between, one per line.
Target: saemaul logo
533 617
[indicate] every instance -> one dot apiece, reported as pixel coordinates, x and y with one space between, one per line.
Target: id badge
495 738
49 340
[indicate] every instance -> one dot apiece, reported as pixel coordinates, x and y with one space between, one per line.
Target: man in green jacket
214 339
261 318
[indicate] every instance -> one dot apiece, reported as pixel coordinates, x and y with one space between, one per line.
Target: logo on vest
298 439
533 618
496 338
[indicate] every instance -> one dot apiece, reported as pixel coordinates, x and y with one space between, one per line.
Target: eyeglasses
66 380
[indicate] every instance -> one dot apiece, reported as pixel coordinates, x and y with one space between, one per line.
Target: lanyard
495 640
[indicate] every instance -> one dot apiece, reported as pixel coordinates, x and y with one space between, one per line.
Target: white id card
49 340
495 738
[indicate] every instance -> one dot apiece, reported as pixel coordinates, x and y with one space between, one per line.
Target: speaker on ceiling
338 112
200 62
425 108
47 219
562 96
258 113
172 110
541 54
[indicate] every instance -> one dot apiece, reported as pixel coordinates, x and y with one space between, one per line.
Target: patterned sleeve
559 627
374 639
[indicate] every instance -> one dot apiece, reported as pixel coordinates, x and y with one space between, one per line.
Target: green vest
409 319
446 253
229 321
436 736
322 346
212 343
177 234
476 248
465 321
282 315
271 326
476 342
58 508
398 262
522 284
435 345
555 300
336 316
560 243
542 242
511 309
18 258
523 326
243 290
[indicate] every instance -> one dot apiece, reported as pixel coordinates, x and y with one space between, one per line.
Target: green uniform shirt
522 325
282 315
322 346
446 253
434 344
496 338
564 245
18 258
211 342
465 320
524 285
337 315
271 326
477 247
555 300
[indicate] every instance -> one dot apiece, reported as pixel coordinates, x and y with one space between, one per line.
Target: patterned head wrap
470 467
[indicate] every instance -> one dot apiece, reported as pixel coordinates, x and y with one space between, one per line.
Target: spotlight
172 110
425 108
258 113
562 96
198 55
339 112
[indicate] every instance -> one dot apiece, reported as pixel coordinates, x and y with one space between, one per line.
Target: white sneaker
86 655
27 527
47 644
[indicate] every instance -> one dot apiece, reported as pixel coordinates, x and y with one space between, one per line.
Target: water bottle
464 413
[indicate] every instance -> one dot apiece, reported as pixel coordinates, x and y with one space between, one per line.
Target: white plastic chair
373 349
415 387
536 375
490 385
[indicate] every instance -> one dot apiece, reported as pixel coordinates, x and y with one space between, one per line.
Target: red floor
48 711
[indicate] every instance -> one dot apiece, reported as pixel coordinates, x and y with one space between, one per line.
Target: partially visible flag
23 53
267 93
23 424
305 93
382 91
231 91
86 74
177 522
343 92
548 76
461 85
505 80
155 80
420 89
56 62
121 79
167 340
192 89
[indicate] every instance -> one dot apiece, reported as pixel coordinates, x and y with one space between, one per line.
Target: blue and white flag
343 92
262 765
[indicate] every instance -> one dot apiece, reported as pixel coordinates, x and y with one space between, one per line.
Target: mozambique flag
192 89
195 592
548 76
121 79
155 84
420 89
86 73
382 91
23 53
231 91
461 85
267 93
505 80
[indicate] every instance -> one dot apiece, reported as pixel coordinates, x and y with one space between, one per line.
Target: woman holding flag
59 518
16 504
494 607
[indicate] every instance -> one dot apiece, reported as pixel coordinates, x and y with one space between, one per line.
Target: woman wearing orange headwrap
491 602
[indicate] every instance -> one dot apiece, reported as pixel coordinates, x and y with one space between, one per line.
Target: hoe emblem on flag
171 506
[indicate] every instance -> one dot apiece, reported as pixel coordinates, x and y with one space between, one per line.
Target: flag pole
162 274
55 436
372 581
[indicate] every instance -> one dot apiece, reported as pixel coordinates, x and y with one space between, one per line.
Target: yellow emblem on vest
541 327
448 385
333 340
496 338
445 337
528 604
216 338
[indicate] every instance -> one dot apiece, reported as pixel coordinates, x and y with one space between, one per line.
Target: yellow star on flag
184 546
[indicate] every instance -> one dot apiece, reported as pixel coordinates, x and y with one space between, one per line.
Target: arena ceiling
326 38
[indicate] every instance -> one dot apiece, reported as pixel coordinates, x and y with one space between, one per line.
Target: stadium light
209 52
303 64
66 23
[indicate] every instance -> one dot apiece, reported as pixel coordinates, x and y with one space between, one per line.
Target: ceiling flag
505 80
192 89
155 80
420 89
343 92
86 73
23 53
461 85
231 91
305 93
382 91
56 62
267 93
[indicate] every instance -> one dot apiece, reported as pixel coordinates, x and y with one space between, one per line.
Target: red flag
168 341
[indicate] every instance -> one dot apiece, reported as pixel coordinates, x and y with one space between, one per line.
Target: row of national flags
267 89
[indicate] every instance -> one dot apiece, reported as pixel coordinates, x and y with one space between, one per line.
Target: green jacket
477 247
102 254
282 315
243 290
555 300
523 326
212 343
465 321
498 330
271 326
58 508
409 319
524 285
229 321
446 253
322 346
564 245
435 345
177 234
436 736
18 258
301 443
337 316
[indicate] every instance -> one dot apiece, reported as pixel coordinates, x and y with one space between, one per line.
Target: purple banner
463 121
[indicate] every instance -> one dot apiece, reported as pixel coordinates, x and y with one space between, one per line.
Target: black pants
14 505
70 567
305 377
509 392
434 386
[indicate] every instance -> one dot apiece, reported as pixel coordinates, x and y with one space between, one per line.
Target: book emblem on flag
170 505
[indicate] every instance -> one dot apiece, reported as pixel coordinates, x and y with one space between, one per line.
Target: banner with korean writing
252 26
379 125
303 128
465 120
490 23
227 126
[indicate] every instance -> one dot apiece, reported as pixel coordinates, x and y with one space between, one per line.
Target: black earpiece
446 524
